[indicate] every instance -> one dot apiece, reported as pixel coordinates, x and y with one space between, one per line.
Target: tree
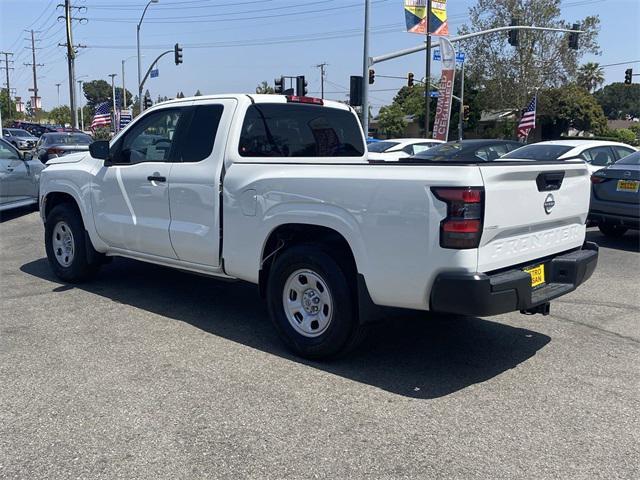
98 91
61 115
197 94
391 120
7 105
508 74
567 107
264 87
619 100
180 95
590 76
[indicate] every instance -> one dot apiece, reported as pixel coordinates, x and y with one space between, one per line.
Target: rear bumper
492 294
629 221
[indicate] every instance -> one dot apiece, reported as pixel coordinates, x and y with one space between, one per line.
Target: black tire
343 332
612 230
80 266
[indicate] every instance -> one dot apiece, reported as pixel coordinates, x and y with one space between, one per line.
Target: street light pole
113 95
365 70
58 87
427 81
139 60
80 104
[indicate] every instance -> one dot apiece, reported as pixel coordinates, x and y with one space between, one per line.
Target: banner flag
445 90
415 12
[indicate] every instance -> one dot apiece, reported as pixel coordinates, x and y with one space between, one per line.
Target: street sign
437 56
154 73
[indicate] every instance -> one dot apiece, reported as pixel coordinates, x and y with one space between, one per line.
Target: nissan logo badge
549 203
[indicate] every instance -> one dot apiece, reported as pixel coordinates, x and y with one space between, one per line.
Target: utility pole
34 66
461 114
427 80
7 68
365 70
322 67
124 91
71 56
113 94
58 88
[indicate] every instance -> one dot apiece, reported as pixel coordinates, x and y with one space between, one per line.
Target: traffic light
573 37
410 79
301 86
279 85
372 76
465 113
177 54
355 91
628 73
514 38
148 102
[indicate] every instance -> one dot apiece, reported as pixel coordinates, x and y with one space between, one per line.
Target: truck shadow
416 355
629 242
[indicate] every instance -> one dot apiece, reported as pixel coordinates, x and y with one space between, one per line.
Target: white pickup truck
278 191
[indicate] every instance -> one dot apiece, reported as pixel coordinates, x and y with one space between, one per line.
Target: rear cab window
298 130
539 152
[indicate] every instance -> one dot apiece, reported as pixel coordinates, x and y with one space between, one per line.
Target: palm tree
590 76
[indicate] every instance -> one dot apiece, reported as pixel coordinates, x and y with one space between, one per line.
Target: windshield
70 139
380 147
633 159
538 151
18 132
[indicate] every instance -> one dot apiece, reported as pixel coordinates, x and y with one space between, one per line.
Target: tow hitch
543 308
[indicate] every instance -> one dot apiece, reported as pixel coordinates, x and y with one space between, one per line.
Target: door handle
156 178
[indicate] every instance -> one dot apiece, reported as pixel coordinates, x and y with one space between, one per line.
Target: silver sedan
19 177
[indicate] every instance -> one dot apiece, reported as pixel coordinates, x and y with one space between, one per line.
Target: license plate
537 275
628 186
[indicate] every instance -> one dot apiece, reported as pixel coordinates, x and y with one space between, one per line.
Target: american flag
102 118
528 120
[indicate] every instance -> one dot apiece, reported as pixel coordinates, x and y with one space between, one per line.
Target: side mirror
27 156
99 149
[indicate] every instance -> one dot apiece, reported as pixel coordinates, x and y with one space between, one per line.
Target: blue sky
230 46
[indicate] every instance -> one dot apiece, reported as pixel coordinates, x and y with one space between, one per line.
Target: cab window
151 139
598 156
294 130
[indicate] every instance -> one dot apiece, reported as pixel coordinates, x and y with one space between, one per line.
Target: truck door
131 195
194 183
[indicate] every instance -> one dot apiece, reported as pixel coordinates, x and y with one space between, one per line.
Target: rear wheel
311 301
66 246
612 230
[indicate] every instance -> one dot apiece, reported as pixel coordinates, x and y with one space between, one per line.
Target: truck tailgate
532 210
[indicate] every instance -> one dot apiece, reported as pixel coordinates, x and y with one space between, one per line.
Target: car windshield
538 151
70 139
380 147
633 159
18 132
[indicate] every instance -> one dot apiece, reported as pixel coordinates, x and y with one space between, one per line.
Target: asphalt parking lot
150 373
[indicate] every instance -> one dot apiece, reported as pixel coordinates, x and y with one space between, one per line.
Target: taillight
462 228
310 100
597 179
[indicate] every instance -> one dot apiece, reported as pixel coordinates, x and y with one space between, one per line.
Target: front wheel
311 301
612 230
65 244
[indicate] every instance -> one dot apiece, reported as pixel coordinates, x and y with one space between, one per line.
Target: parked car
19 177
19 138
615 197
35 129
467 151
393 149
596 153
51 145
278 191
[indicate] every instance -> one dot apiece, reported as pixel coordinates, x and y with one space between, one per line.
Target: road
151 373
